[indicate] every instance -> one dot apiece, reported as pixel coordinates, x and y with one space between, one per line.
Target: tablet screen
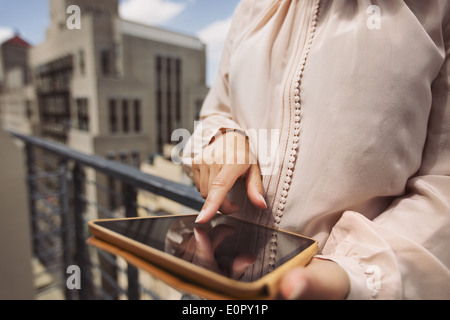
231 247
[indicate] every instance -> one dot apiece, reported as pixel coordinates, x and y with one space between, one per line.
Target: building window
178 91
135 159
168 97
112 116
198 108
55 116
159 102
81 62
123 156
26 76
125 116
137 115
28 109
105 61
158 71
82 114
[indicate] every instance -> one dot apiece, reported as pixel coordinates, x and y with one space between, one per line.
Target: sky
207 19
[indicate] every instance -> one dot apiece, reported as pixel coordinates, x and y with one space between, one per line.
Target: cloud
5 34
214 36
150 12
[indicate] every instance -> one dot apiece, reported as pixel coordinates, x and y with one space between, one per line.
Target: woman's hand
218 167
200 247
319 280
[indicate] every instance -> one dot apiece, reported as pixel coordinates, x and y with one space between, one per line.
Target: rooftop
160 35
16 41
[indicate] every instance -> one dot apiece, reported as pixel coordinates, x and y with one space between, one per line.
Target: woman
344 105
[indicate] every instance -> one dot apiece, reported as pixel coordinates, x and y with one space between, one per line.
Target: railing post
81 253
31 190
130 196
65 223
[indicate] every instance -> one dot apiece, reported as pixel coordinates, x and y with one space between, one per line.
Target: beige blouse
347 108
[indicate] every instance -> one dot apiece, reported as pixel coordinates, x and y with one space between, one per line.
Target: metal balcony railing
66 189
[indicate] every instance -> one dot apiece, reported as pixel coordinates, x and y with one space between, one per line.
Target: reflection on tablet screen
227 246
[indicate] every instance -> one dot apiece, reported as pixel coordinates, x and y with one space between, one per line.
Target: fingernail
263 200
200 216
298 290
196 235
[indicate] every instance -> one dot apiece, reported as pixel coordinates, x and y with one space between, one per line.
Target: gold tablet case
200 282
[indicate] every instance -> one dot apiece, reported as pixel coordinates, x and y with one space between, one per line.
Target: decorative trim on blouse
286 183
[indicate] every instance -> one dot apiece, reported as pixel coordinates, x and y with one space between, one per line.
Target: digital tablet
226 258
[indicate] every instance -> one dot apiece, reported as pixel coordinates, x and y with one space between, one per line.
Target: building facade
111 87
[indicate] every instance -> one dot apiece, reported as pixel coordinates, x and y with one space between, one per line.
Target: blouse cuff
360 283
357 246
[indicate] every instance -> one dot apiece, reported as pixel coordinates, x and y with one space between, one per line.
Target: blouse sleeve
404 252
